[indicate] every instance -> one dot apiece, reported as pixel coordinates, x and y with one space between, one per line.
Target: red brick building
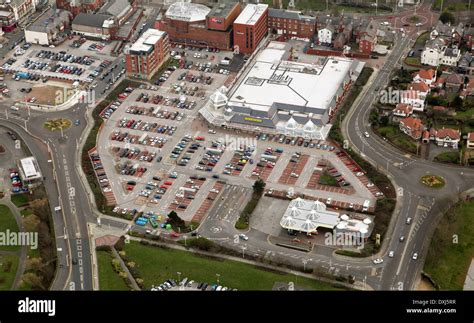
291 23
147 54
197 25
366 36
80 6
222 16
250 27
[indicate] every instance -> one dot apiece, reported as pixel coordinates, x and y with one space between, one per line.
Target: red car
200 138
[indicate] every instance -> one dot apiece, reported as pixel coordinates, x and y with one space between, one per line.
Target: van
365 206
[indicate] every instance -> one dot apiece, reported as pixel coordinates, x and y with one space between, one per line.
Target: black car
12 135
74 261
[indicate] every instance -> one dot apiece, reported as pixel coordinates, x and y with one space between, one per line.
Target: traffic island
57 124
433 181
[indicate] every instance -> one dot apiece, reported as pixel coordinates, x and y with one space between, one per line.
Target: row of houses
105 22
444 137
413 102
323 30
444 47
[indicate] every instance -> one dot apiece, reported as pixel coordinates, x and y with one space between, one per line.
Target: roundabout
433 181
57 124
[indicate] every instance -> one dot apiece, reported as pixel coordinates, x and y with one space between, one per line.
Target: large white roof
29 167
187 11
251 14
147 40
271 80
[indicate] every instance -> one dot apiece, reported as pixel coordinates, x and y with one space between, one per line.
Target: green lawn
157 264
7 222
448 260
413 60
26 212
108 278
20 199
327 179
423 38
464 115
388 131
448 157
8 268
399 139
452 5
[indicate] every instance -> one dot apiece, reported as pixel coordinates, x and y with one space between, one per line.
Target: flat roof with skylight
273 80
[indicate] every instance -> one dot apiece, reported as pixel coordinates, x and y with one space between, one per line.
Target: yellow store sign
252 119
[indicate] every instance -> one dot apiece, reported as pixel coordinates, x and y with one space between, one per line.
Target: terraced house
15 13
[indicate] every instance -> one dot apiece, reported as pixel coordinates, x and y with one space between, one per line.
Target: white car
13 107
379 194
415 256
419 24
243 237
212 131
370 184
358 174
366 134
378 261
391 254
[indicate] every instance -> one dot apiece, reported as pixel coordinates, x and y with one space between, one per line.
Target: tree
33 280
175 220
31 223
457 102
259 186
384 121
468 103
447 17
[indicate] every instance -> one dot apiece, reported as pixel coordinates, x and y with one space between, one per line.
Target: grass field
451 157
413 60
7 222
421 40
108 278
452 5
20 199
397 138
464 115
8 267
157 264
448 261
327 179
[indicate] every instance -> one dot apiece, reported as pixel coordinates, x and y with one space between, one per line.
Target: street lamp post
179 276
218 275
243 251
